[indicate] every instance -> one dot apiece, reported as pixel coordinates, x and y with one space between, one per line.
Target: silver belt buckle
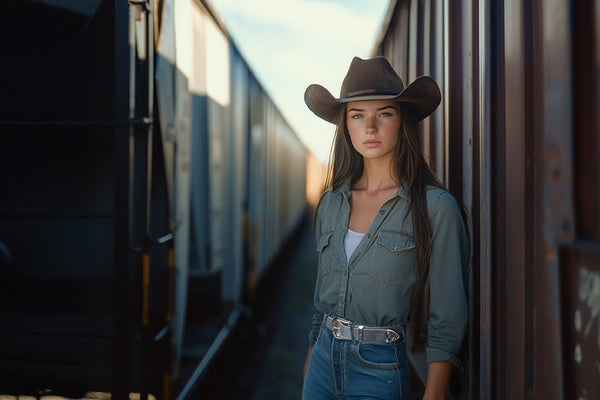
391 335
337 324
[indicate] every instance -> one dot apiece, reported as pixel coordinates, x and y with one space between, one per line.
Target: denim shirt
380 283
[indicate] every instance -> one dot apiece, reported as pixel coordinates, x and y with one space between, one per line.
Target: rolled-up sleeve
448 267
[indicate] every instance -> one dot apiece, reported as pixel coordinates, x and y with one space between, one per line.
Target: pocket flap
324 241
395 241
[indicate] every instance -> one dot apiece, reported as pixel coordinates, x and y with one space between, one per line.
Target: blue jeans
343 369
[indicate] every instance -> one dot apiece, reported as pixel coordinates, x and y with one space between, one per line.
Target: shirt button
381 212
368 235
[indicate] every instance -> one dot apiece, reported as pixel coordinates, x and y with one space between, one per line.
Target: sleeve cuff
435 355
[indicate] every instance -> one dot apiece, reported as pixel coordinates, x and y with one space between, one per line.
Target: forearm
438 377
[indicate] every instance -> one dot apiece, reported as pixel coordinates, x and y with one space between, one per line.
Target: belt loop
360 330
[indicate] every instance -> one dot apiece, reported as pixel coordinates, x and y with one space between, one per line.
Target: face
374 127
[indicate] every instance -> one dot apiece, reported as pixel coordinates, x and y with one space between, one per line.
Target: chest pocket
393 258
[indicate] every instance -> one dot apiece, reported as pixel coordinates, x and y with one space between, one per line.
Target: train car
149 181
516 138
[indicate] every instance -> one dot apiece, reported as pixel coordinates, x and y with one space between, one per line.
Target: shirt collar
345 190
403 192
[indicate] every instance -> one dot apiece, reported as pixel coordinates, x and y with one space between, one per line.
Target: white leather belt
347 330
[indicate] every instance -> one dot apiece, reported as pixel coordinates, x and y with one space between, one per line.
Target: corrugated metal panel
482 227
514 206
257 181
437 72
236 183
555 221
165 87
427 51
200 221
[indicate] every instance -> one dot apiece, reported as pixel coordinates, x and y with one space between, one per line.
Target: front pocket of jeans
376 355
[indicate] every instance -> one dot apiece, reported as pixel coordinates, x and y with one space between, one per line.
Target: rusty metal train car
148 182
517 139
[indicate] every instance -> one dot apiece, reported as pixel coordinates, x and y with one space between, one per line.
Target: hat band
370 91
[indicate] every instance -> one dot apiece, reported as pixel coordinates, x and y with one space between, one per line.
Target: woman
383 229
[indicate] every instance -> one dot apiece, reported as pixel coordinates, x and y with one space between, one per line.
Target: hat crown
372 76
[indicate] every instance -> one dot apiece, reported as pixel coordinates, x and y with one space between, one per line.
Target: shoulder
324 201
436 194
325 214
440 201
324 206
331 198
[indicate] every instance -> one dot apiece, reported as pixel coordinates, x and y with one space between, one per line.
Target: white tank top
351 241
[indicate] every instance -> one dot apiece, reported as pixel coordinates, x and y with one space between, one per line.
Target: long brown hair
409 166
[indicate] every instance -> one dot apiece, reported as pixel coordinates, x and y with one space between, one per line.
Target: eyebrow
379 109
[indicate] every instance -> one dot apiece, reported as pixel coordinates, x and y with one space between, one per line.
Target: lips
372 143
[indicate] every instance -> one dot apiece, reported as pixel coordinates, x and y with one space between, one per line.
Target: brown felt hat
374 79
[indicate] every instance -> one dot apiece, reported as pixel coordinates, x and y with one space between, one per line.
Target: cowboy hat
374 79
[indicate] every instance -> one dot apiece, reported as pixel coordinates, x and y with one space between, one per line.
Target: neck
378 175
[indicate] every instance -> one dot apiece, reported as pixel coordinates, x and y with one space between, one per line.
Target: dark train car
517 139
148 183
81 239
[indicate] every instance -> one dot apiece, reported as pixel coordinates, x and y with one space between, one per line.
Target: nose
371 125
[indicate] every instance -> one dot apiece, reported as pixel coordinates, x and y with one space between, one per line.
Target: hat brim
423 95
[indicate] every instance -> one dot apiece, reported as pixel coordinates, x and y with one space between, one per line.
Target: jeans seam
346 345
399 373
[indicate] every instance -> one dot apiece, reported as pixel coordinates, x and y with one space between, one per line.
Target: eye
385 114
356 116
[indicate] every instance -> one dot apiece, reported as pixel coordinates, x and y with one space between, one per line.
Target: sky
290 44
